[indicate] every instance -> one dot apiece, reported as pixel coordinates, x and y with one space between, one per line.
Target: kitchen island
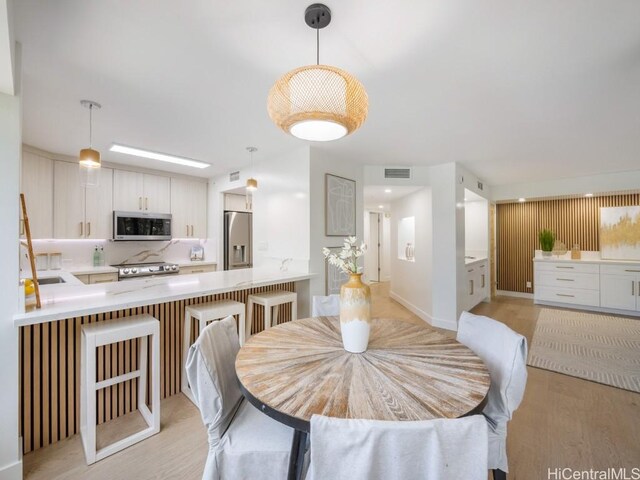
50 340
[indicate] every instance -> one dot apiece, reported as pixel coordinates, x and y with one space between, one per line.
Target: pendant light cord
90 126
317 46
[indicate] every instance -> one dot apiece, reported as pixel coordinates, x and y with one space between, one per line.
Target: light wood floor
562 422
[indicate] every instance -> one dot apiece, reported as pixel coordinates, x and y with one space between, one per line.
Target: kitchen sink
50 280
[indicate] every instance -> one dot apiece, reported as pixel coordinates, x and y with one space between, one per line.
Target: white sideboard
477 283
600 285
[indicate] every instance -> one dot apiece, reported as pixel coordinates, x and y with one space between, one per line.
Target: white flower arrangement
347 259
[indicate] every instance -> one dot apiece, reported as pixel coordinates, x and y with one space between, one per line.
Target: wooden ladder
32 260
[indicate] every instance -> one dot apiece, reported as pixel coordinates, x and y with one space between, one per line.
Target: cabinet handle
566 279
88 229
187 230
139 203
564 295
482 286
146 203
471 285
558 266
633 286
82 229
636 271
192 230
469 271
197 271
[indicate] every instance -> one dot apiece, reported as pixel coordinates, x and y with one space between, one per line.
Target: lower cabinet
98 278
620 287
477 282
211 267
604 285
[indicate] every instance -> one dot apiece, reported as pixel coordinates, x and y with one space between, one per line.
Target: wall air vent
234 176
480 186
397 173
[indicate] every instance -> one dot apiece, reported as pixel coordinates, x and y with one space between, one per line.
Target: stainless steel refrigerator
238 242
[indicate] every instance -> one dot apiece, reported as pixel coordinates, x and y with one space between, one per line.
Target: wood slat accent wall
50 366
574 220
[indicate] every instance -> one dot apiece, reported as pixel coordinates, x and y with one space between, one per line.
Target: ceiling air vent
234 176
397 173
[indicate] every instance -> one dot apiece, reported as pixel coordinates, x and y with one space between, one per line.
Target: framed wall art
620 233
340 206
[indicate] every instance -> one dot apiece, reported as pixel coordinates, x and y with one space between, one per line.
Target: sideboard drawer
568 279
568 267
620 269
568 295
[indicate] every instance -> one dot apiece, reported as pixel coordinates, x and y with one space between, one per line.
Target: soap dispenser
101 256
96 257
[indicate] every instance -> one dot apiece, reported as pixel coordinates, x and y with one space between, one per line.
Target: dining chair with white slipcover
354 449
243 442
328 306
504 352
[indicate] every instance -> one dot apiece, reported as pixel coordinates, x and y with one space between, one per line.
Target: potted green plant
547 239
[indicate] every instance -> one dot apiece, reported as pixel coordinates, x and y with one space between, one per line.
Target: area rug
600 348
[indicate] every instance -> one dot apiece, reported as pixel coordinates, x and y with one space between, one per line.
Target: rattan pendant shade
318 102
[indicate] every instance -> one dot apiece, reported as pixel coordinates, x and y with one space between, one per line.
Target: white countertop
90 270
469 261
68 300
554 259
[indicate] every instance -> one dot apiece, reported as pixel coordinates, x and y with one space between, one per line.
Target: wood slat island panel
50 366
409 372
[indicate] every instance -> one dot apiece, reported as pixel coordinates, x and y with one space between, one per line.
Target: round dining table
408 372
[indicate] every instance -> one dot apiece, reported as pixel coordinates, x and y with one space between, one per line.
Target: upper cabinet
37 186
81 212
134 191
189 208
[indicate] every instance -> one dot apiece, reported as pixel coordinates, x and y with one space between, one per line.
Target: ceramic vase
355 314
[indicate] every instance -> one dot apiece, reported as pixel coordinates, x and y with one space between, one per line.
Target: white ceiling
376 195
515 91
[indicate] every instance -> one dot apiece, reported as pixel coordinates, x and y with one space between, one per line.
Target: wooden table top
409 372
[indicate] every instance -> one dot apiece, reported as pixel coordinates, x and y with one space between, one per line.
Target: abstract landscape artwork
620 233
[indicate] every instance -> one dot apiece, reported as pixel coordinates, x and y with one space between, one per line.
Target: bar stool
145 328
268 300
205 313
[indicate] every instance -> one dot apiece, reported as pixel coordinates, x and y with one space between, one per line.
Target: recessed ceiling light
588 194
387 190
522 199
163 157
380 206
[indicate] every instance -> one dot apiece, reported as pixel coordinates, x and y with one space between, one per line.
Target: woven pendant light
318 102
89 159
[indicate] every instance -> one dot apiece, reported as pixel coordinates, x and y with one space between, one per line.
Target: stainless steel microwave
141 226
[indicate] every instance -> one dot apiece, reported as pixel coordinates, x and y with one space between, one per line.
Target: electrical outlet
528 284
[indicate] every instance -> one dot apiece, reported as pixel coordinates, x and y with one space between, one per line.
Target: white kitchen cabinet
620 287
135 191
186 270
188 208
97 278
37 186
81 212
476 284
234 202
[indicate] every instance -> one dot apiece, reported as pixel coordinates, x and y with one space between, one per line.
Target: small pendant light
252 183
89 159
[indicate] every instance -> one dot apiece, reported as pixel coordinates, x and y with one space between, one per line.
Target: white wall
604 183
281 207
10 152
322 163
411 282
476 231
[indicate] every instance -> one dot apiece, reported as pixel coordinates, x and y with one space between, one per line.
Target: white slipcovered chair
504 352
345 449
325 306
244 443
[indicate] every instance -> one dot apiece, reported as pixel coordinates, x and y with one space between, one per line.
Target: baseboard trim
588 308
507 293
12 471
435 322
